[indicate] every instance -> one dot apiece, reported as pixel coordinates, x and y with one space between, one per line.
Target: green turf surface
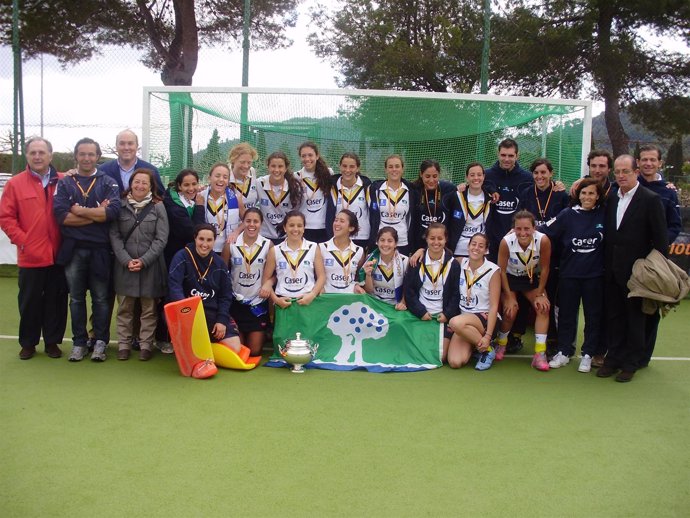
137 439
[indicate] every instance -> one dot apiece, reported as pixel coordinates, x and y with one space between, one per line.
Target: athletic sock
540 343
502 338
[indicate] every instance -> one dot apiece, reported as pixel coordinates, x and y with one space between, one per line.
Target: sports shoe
585 364
598 360
165 347
539 362
98 354
485 360
500 352
514 344
78 353
558 361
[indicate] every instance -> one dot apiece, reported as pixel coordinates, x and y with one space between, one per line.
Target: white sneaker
165 347
585 364
559 360
98 354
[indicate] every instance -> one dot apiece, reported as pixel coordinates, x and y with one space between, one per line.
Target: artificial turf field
137 439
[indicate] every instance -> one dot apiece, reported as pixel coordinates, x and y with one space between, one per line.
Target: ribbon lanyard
345 263
468 208
248 255
542 212
217 210
392 199
352 193
471 282
244 186
528 269
271 194
434 276
298 259
201 277
437 198
313 186
85 194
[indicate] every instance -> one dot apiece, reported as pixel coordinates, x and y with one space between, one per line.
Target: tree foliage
168 31
598 48
407 44
669 118
571 48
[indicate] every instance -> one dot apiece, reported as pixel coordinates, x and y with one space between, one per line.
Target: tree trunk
610 75
183 53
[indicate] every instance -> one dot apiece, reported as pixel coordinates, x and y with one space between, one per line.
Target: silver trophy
298 352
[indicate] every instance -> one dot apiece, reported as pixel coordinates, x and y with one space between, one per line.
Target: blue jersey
579 234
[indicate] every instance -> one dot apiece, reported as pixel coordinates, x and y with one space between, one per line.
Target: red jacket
26 216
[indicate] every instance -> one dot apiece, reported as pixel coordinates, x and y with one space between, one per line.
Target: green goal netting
195 127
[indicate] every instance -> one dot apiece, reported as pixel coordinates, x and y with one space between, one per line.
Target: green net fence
197 127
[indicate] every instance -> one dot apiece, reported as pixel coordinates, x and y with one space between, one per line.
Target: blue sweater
669 198
552 207
112 169
508 184
215 289
579 235
68 194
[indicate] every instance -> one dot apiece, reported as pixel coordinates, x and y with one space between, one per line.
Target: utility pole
244 125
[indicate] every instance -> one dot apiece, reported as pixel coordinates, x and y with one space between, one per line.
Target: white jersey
313 200
475 208
523 263
247 188
388 278
223 214
355 199
274 204
340 266
394 209
247 268
474 286
295 269
433 276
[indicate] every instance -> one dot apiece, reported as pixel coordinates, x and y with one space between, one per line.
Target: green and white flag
360 332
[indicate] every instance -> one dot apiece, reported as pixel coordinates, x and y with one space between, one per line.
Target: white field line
507 356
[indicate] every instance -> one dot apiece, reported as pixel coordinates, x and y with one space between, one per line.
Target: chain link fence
95 98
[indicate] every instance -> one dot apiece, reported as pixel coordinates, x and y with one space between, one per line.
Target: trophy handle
282 350
314 348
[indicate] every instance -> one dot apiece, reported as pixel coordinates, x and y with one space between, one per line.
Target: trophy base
297 369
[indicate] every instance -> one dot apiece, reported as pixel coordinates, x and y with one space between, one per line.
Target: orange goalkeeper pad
189 336
226 357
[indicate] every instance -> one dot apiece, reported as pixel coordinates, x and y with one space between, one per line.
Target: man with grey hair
635 224
26 216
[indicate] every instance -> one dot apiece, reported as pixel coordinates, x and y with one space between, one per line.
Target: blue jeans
81 276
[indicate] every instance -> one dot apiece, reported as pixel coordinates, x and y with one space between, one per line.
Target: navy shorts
250 319
522 283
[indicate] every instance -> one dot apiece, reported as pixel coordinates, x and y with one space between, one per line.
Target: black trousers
626 327
42 305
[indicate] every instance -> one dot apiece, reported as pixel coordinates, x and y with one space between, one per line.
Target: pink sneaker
500 352
539 362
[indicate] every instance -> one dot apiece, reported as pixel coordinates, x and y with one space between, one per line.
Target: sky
100 97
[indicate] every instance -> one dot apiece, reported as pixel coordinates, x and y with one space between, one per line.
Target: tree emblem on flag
353 324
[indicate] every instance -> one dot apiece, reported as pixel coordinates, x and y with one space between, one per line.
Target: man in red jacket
26 216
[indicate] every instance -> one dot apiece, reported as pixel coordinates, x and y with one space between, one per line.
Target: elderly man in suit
635 224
